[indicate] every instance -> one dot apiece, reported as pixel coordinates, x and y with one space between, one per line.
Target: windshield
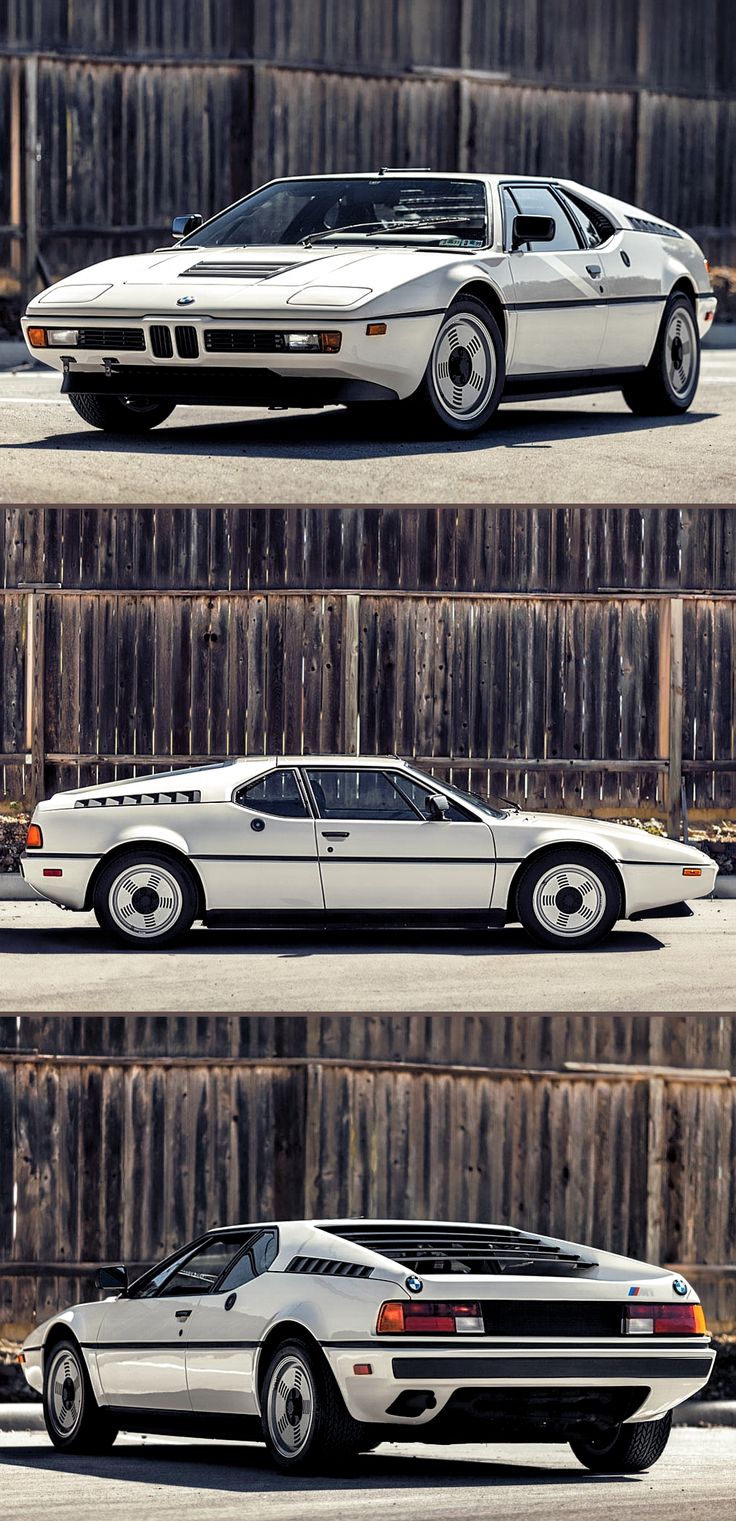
450 212
496 810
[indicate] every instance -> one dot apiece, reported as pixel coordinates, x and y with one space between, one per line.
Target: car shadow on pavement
248 1470
343 436
287 945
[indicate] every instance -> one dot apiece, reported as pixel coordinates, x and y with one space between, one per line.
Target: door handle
594 270
335 834
183 1314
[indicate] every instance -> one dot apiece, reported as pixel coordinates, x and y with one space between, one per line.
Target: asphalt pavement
582 449
139 1479
60 962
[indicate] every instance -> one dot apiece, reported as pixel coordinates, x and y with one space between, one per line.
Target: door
260 850
631 269
142 1341
381 849
559 290
225 1330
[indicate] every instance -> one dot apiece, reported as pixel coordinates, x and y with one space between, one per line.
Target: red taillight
665 1320
34 838
424 1318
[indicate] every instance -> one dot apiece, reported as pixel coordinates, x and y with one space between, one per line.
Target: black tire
121 414
630 1449
146 898
74 1420
479 368
563 891
659 391
331 1437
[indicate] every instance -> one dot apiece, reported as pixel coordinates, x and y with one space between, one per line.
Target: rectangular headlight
313 343
62 337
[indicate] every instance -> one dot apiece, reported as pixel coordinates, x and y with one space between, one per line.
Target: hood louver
139 799
486 1250
213 269
327 1267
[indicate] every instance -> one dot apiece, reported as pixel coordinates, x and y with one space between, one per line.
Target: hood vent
327 1267
141 799
212 269
464 1249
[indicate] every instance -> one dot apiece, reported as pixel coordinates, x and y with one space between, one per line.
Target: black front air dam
209 386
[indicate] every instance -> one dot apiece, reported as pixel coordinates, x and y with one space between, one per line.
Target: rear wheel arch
546 850
286 1330
685 287
161 848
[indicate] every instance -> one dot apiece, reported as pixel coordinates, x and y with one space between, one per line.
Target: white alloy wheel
290 1405
463 366
569 900
681 350
145 901
65 1392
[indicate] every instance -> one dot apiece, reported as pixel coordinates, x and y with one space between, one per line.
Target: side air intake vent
325 1267
138 799
210 269
484 1249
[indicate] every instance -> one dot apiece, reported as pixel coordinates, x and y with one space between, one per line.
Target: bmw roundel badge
414 1284
679 1285
185 300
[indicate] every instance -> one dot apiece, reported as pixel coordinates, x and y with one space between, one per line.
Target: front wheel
466 373
306 1426
74 1420
629 1449
145 898
569 899
670 380
121 414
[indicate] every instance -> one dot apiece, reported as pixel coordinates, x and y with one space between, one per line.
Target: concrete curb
22 1416
13 888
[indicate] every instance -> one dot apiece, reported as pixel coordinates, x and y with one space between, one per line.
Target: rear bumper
68 890
658 1377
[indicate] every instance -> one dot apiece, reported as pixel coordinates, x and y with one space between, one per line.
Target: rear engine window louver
447 1249
139 799
211 269
327 1267
644 224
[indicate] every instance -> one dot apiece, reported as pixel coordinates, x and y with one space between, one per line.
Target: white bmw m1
444 294
312 841
325 1338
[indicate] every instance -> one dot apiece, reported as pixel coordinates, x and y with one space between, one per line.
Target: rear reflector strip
52 871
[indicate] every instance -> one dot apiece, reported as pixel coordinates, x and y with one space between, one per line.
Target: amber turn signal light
37 337
376 329
34 838
692 871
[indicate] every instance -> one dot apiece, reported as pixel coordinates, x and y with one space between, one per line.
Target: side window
256 1260
419 794
358 795
197 1273
538 201
278 794
595 225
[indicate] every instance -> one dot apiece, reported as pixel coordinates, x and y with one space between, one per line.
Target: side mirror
182 226
438 805
532 230
113 1278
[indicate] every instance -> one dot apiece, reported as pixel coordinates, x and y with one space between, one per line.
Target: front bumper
664 1375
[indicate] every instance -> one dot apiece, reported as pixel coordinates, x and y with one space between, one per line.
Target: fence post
671 709
350 674
36 693
655 1238
30 248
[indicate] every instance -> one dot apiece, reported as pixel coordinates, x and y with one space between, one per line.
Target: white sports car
323 1338
317 840
450 292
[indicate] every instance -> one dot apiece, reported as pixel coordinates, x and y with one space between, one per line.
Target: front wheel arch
489 296
545 850
60 1332
162 848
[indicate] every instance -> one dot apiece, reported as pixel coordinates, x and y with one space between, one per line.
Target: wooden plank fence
197 101
124 1154
594 699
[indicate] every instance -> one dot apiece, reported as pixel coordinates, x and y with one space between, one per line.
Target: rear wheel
465 376
121 414
145 898
628 1449
670 380
74 1420
306 1426
569 898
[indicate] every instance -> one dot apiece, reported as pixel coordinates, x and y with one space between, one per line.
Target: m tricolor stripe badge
633 1292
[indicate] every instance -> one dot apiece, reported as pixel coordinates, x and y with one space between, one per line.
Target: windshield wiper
381 227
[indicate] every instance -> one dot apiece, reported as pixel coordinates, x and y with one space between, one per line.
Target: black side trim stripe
168 1346
592 300
551 1367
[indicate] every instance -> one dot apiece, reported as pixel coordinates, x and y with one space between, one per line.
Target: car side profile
440 294
312 841
324 1338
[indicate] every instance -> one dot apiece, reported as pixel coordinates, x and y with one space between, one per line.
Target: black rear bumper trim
551 1367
